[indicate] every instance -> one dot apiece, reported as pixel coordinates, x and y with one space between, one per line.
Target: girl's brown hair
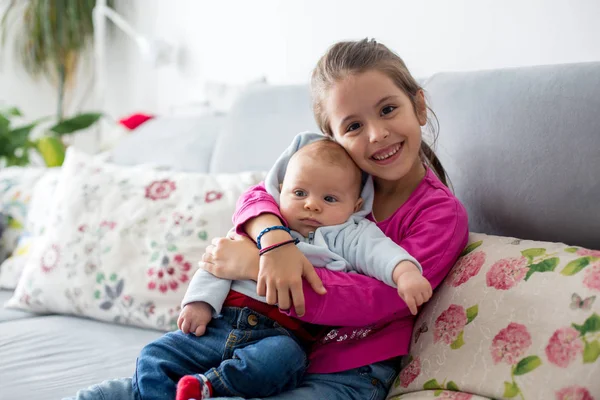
346 58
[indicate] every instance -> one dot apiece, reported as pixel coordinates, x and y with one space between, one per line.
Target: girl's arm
436 239
281 270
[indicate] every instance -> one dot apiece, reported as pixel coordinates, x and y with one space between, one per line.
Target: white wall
237 41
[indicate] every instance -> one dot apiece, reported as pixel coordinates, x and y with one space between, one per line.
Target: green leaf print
571 249
470 248
530 254
591 352
544 266
510 389
452 386
438 392
526 365
97 294
100 277
592 324
154 256
431 384
113 277
203 235
576 265
172 247
472 312
459 342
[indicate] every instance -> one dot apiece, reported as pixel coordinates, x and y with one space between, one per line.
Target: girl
365 99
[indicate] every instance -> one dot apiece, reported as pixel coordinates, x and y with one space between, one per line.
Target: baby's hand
413 288
194 317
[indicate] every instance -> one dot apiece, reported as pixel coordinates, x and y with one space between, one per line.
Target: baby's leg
163 362
260 359
264 368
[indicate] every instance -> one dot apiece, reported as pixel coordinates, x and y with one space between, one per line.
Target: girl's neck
390 195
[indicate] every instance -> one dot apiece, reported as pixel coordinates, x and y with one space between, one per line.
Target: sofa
516 318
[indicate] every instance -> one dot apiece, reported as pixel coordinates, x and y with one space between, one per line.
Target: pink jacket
374 323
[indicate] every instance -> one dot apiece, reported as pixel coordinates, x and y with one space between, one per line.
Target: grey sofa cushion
182 143
7 314
522 147
260 126
54 356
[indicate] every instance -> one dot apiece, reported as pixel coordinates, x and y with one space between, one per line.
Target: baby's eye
330 199
387 109
300 193
353 127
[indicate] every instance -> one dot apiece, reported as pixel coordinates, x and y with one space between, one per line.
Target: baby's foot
194 387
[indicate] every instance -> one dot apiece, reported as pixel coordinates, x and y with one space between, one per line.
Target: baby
260 349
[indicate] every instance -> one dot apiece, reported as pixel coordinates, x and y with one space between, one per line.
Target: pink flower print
449 395
510 344
175 272
574 393
592 277
588 252
410 372
506 273
212 196
563 347
466 268
82 228
158 190
450 324
50 258
108 224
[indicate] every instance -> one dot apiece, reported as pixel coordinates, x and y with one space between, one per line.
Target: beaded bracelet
274 246
272 228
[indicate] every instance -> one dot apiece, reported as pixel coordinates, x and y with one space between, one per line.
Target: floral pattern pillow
16 187
40 205
122 243
514 319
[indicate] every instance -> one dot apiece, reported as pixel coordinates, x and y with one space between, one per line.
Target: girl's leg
371 382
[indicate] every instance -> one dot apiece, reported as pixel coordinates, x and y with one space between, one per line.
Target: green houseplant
50 37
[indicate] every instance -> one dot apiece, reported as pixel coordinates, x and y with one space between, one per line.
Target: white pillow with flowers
514 319
122 243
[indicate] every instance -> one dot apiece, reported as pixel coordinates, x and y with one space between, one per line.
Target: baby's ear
359 204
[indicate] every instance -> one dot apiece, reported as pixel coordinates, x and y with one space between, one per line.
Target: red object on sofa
134 120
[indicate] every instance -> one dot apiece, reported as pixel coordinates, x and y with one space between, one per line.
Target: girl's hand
234 257
413 287
281 272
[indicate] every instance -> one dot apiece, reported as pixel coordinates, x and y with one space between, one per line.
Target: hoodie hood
276 174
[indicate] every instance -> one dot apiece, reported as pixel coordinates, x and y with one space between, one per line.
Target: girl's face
376 123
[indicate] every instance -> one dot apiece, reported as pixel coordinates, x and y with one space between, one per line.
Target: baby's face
316 194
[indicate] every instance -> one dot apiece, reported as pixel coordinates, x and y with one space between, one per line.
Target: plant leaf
52 151
452 386
77 123
576 265
591 352
544 266
472 312
470 248
533 253
459 342
527 364
510 390
571 249
438 392
431 384
14 112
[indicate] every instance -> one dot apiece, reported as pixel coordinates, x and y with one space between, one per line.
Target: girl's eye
299 193
353 127
387 109
330 199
